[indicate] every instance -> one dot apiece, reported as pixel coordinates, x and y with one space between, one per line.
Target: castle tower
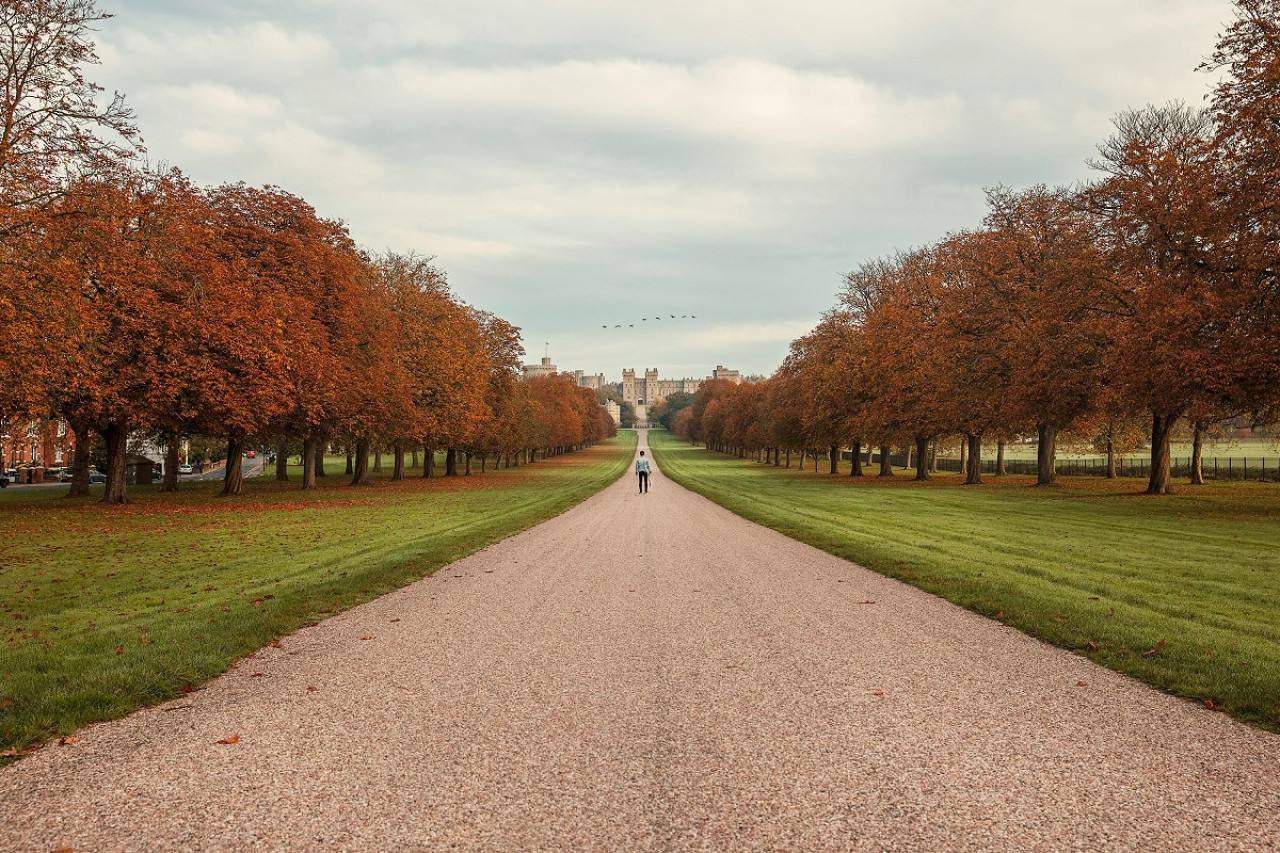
629 386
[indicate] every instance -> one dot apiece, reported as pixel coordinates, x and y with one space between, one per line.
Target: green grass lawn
1182 591
107 609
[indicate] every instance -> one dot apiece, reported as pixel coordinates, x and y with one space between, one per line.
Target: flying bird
673 316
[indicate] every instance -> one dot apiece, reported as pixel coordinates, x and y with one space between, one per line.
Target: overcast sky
574 164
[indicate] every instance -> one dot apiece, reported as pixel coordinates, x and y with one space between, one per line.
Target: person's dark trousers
644 480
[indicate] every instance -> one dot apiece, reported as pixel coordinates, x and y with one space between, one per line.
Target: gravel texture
652 673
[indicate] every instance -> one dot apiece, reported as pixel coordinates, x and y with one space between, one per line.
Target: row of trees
1151 293
133 301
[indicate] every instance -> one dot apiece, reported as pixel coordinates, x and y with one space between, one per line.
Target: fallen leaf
275 644
312 689
866 602
64 850
187 688
232 739
6 703
1208 703
256 675
310 623
67 741
257 602
1093 647
878 693
1060 617
367 637
1149 652
397 619
1081 684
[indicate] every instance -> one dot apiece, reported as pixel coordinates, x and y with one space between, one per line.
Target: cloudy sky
574 164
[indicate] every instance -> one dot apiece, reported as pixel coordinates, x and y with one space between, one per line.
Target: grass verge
1181 591
106 609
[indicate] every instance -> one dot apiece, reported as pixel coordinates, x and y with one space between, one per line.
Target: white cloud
566 159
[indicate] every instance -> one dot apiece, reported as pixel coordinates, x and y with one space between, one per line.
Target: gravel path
651 673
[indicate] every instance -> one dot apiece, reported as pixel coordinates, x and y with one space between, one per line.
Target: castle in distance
642 391
638 391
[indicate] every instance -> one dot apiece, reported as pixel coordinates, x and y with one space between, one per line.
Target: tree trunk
319 454
467 469
377 461
172 457
484 462
397 471
233 474
788 457
973 473
802 455
360 471
933 456
351 468
855 455
1160 481
309 464
1111 458
450 462
835 459
428 461
282 460
81 456
413 461
117 438
1046 454
964 457
1000 470
1197 455
922 457
886 463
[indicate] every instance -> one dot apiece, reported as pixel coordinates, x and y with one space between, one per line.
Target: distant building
544 369
643 391
596 381
614 411
722 372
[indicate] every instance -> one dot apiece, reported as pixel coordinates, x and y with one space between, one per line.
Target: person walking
642 471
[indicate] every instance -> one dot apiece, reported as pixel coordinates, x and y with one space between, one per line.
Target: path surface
651 673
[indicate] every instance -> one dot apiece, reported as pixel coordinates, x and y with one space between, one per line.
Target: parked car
250 454
186 469
65 475
96 476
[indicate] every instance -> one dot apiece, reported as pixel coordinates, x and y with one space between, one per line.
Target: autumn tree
54 124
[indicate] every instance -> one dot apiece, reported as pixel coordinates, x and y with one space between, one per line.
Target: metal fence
1214 468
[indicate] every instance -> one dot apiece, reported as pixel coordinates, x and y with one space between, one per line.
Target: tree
52 126
1163 230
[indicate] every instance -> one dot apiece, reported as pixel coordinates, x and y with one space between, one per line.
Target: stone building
642 391
546 368
595 381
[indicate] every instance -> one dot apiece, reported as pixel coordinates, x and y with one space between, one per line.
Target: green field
106 609
1182 591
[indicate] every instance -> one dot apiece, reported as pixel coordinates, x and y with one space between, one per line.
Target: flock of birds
659 317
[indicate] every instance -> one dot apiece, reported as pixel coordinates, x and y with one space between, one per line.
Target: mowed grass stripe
106 609
1089 565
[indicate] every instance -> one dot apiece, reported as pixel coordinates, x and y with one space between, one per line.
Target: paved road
651 673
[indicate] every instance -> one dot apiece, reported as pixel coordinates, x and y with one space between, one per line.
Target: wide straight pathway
651 673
